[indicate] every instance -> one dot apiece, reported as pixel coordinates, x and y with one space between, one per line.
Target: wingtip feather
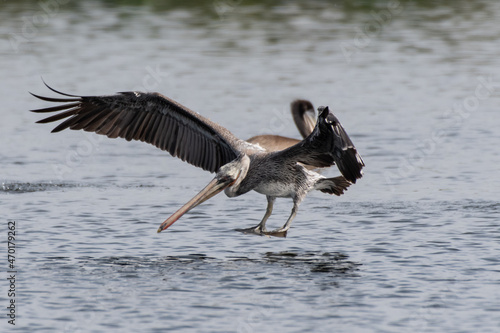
57 91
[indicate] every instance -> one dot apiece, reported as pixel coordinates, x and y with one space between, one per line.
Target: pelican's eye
231 179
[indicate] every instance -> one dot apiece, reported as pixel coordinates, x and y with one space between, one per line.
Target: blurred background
416 84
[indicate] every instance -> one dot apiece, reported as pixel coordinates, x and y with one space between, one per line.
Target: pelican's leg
260 229
281 232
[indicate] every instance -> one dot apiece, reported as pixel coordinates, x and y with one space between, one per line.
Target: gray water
412 247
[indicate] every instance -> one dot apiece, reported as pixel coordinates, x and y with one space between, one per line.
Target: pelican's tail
335 185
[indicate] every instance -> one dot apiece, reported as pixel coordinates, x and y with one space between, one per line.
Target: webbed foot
253 231
258 231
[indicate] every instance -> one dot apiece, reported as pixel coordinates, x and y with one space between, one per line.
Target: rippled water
412 247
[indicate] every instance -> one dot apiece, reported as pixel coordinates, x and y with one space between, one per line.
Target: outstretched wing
148 117
304 116
272 142
327 145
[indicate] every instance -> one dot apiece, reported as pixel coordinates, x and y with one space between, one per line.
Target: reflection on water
411 247
317 262
313 261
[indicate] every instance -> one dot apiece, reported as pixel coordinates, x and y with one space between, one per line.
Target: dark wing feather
304 116
148 117
327 145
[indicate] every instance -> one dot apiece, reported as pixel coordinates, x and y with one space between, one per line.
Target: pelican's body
278 169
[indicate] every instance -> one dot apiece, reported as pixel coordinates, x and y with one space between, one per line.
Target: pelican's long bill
213 188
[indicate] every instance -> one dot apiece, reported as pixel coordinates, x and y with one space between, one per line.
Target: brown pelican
240 166
304 117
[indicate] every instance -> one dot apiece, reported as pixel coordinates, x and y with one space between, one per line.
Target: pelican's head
235 171
228 177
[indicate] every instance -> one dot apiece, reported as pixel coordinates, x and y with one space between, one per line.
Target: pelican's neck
232 191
